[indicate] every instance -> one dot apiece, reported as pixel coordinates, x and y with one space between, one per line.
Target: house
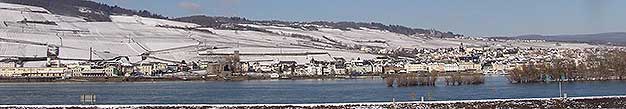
98 72
416 67
302 70
122 65
77 68
313 70
286 67
392 69
246 67
315 67
469 66
360 67
263 67
436 67
91 70
451 67
500 68
340 66
274 75
150 68
173 68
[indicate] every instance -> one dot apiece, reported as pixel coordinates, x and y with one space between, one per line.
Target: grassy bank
525 103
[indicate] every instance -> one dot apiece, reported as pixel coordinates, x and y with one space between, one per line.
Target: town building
34 72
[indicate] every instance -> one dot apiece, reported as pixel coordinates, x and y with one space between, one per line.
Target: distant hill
225 22
612 38
27 31
88 10
98 12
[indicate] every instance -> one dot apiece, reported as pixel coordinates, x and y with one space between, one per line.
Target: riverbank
188 78
525 103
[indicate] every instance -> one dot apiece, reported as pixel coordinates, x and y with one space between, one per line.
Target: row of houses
33 72
10 69
340 66
115 67
232 65
355 67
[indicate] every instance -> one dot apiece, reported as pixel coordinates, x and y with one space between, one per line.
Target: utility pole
90 53
560 89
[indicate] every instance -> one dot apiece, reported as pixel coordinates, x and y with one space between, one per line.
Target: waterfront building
246 67
313 70
123 67
341 71
340 66
416 68
77 68
436 67
360 66
393 69
34 72
451 67
286 67
469 66
97 72
263 67
303 70
8 64
150 68
328 69
377 68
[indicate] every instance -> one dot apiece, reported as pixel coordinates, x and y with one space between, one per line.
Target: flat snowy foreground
571 102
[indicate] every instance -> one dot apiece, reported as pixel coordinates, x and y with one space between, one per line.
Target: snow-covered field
133 35
8 6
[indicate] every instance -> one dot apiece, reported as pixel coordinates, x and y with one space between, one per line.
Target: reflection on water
287 91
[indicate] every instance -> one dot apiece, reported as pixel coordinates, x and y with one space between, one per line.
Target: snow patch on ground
150 21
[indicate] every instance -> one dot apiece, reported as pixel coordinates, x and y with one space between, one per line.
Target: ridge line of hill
99 12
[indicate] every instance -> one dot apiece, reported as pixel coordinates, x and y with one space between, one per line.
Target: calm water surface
286 91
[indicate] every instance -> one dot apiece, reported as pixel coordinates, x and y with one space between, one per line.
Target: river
287 91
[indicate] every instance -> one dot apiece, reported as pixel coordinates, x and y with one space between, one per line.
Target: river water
287 91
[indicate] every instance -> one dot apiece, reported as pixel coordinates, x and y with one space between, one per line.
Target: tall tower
236 66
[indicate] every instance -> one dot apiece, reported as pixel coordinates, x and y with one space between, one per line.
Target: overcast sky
469 17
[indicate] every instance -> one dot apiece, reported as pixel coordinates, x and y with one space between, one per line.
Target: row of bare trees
407 80
464 79
429 79
602 66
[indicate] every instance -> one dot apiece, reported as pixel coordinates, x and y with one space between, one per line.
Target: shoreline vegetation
407 80
524 103
606 66
430 79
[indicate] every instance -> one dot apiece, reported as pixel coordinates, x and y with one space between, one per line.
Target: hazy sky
470 17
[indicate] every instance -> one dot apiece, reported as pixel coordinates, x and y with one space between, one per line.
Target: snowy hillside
175 41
